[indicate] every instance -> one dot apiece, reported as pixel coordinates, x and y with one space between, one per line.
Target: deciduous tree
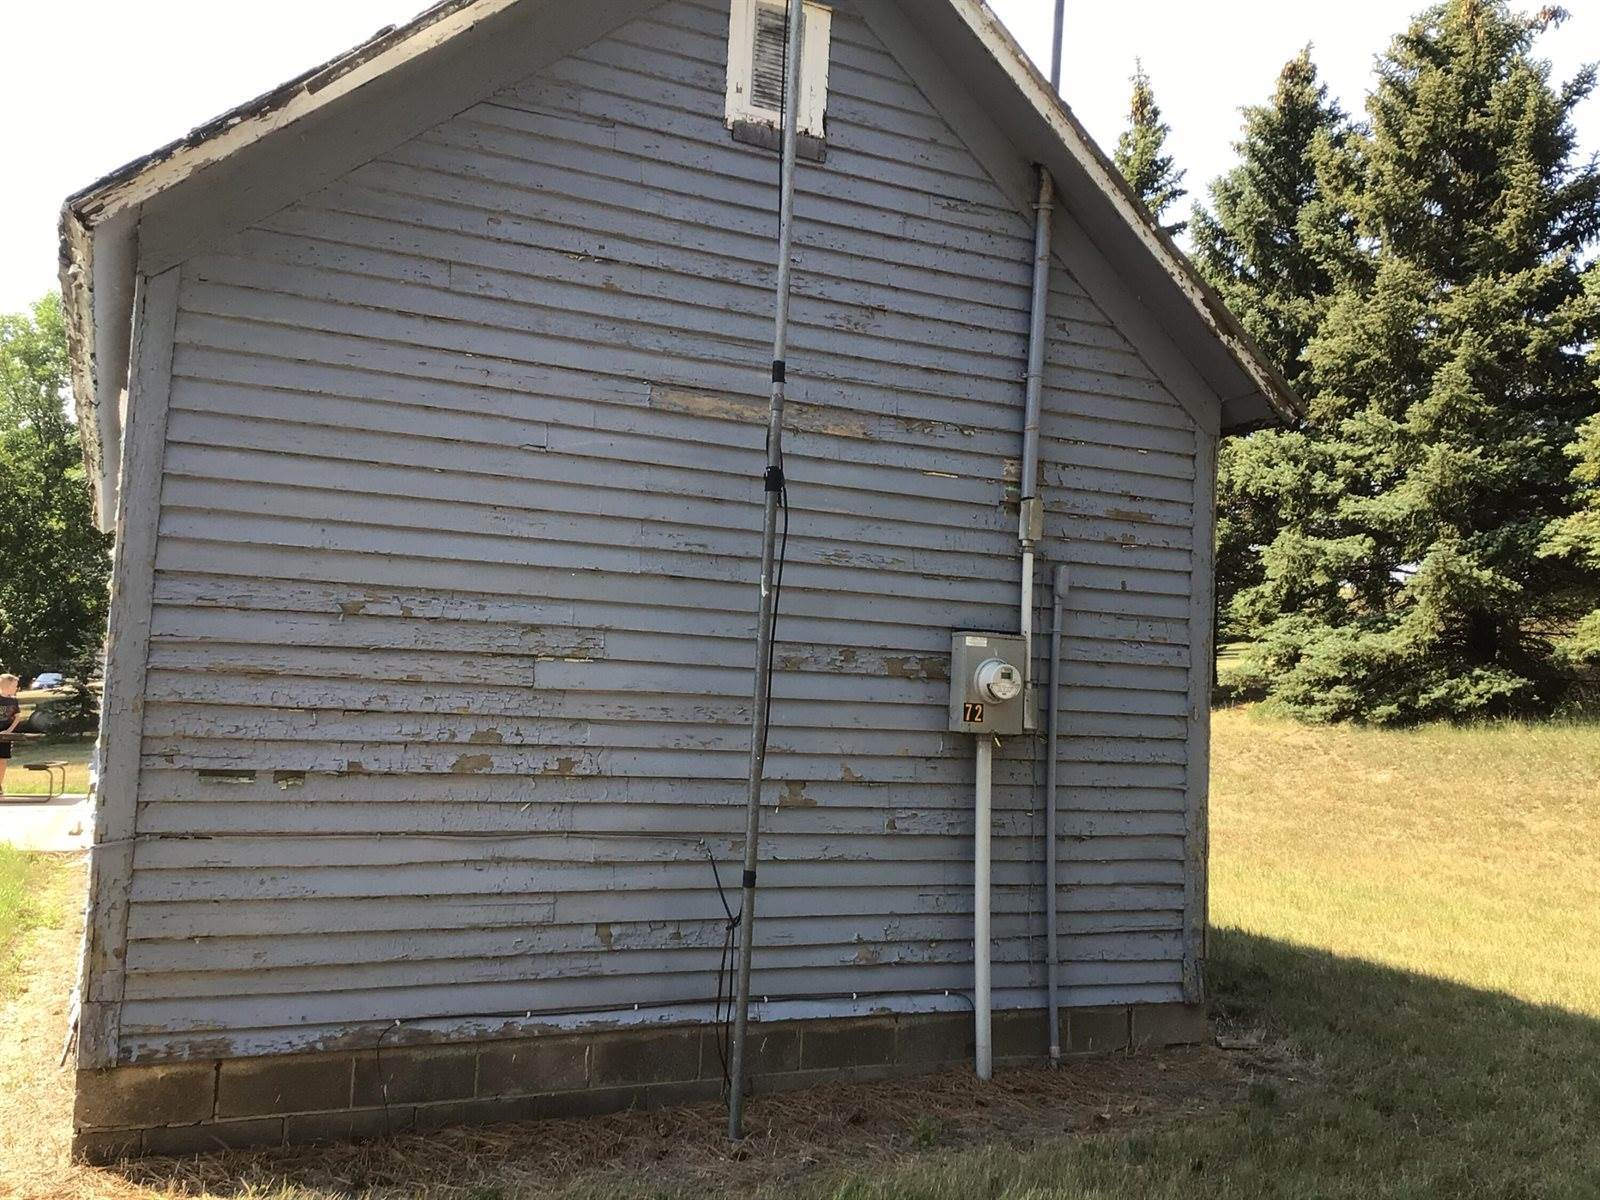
54 565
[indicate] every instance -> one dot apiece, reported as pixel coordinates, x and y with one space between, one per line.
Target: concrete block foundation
196 1107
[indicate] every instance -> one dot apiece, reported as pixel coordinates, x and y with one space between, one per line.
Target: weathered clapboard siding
456 556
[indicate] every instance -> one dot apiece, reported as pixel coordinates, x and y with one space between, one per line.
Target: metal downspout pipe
1058 593
774 482
1033 523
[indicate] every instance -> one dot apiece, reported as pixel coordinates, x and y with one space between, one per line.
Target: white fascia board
997 40
99 236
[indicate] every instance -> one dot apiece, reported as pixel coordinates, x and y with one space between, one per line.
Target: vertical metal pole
769 544
1055 54
1027 603
1038 320
1030 527
982 936
1051 819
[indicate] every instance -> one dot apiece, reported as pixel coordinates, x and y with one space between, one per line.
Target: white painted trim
122 707
989 30
187 160
1202 637
816 53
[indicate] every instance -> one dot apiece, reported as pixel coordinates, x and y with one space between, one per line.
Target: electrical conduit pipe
982 936
1031 527
1029 533
1031 530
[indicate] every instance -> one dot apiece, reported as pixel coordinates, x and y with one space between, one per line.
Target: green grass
1410 1088
25 903
1418 916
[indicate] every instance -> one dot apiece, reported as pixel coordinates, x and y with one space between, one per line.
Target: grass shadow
1398 1086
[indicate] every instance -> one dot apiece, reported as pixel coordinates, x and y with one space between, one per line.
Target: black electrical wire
777 607
728 962
383 1080
724 972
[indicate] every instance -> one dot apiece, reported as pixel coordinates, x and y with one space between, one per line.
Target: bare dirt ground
799 1142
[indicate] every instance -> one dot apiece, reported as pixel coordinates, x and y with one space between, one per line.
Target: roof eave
1266 382
94 272
97 281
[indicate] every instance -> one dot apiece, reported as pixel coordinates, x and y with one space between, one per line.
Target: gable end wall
445 702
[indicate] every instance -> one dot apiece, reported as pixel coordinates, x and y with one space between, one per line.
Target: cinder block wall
193 1107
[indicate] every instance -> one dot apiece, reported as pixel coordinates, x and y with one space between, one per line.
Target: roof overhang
100 225
1253 390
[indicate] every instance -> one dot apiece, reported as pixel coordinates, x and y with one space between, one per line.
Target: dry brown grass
683 1152
1466 853
35 1095
797 1139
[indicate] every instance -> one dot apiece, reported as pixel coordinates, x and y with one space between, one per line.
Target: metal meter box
988 683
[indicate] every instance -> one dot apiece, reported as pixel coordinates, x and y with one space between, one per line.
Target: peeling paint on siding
513 687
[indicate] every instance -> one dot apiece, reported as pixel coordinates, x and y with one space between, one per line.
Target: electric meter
999 681
988 683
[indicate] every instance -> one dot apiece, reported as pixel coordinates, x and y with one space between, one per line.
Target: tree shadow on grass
1396 1086
1420 1087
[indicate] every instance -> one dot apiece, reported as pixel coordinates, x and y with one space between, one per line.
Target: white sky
128 77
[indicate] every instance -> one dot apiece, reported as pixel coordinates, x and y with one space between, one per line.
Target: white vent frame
815 55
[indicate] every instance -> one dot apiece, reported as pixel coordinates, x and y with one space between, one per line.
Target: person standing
10 718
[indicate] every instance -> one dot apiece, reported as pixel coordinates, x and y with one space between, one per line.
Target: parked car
50 679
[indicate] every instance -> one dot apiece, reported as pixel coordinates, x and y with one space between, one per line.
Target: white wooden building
426 398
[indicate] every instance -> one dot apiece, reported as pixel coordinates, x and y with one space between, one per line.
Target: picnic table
56 772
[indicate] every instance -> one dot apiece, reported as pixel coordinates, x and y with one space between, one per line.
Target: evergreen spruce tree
1141 157
1264 244
1577 538
1446 379
1264 248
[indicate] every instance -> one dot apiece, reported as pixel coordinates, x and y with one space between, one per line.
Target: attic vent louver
757 37
771 34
